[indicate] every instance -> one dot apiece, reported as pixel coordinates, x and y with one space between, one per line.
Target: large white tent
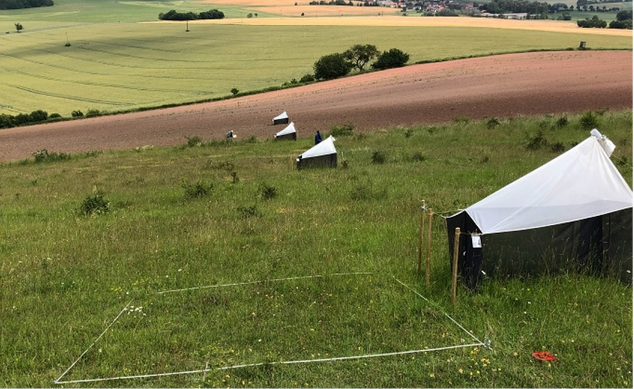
322 154
575 205
281 118
289 132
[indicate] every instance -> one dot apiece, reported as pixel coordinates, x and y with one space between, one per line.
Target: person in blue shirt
317 137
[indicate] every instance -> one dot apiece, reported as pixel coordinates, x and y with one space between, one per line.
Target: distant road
500 86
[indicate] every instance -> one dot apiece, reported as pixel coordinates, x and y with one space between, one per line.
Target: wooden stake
454 278
428 268
422 232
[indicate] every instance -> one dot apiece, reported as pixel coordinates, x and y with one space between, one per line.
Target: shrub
267 192
343 130
93 113
44 156
247 212
558 147
393 58
194 141
492 123
307 78
589 120
331 66
94 205
234 91
536 142
378 157
595 22
418 157
77 114
39 116
562 122
199 189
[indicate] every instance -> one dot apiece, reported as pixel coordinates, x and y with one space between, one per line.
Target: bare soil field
501 86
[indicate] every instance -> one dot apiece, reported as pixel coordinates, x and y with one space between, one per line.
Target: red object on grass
544 356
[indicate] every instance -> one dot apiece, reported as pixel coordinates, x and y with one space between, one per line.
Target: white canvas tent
289 132
281 118
322 154
575 208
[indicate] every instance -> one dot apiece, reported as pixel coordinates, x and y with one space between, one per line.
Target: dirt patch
499 86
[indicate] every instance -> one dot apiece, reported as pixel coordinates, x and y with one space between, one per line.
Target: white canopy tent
579 184
324 154
289 132
575 209
281 118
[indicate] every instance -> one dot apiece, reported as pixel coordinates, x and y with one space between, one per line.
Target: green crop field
113 265
115 63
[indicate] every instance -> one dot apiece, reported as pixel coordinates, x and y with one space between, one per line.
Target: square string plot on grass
284 321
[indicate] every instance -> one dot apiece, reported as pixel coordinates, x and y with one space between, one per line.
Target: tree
18 27
359 55
394 58
331 66
595 22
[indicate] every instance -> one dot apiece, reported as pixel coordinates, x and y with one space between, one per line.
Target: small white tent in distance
322 154
281 118
288 133
572 213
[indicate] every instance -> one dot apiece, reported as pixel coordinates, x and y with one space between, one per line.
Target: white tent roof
579 184
325 147
287 130
283 115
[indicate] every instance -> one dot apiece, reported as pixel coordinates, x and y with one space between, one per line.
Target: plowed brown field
498 86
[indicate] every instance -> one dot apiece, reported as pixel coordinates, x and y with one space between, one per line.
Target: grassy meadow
208 255
117 63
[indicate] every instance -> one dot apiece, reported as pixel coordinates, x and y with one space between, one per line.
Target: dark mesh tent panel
291 136
600 245
329 160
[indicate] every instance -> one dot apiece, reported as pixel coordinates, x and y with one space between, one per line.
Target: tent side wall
598 245
280 121
291 136
328 160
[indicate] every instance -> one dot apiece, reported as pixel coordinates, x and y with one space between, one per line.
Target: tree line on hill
337 65
173 15
19 4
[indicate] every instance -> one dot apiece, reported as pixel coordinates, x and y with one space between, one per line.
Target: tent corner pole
454 277
422 233
428 264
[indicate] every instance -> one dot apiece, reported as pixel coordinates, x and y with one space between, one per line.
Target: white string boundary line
57 381
260 282
268 363
444 313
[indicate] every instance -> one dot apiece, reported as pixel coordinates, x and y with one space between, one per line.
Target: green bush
307 78
267 192
331 66
44 156
247 212
589 120
378 157
77 114
594 22
93 113
196 190
393 58
492 123
536 142
562 122
194 141
94 205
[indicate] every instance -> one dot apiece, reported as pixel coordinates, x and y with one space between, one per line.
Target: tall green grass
65 274
115 63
